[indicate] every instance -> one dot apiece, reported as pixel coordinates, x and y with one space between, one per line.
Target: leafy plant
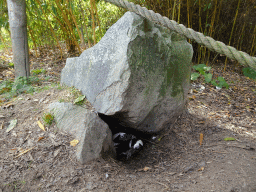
203 69
11 65
80 100
61 100
5 86
38 71
220 83
21 85
48 118
10 88
249 72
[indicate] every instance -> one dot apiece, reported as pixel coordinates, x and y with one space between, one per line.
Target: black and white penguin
126 145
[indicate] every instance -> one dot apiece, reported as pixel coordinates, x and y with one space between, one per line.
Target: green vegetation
229 139
203 71
16 185
11 65
220 82
38 71
48 118
73 95
12 88
21 85
61 100
80 100
249 72
62 24
80 24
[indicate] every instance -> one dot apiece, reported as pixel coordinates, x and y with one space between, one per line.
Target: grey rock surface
93 134
138 69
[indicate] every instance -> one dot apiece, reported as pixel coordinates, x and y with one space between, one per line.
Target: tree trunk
18 28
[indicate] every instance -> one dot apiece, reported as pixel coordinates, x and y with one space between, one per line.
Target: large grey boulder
139 70
93 134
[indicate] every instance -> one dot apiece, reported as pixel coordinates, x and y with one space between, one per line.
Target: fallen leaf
193 97
201 138
41 125
40 138
12 125
229 139
145 169
201 169
79 99
74 142
23 152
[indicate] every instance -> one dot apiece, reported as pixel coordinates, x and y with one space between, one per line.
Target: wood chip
144 169
23 152
56 152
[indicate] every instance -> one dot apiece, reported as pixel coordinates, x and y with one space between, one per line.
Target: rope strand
217 46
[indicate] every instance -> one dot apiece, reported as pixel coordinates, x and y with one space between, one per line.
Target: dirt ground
174 161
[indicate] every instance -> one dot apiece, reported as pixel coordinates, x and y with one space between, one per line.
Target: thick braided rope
242 57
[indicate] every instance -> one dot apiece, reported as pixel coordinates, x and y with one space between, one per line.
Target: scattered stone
95 138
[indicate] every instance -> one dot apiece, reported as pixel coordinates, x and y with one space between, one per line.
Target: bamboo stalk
189 17
237 9
33 39
53 33
205 32
93 21
241 38
168 10
173 10
77 28
97 17
252 53
211 27
81 28
179 11
5 46
218 16
86 31
188 14
199 49
63 10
